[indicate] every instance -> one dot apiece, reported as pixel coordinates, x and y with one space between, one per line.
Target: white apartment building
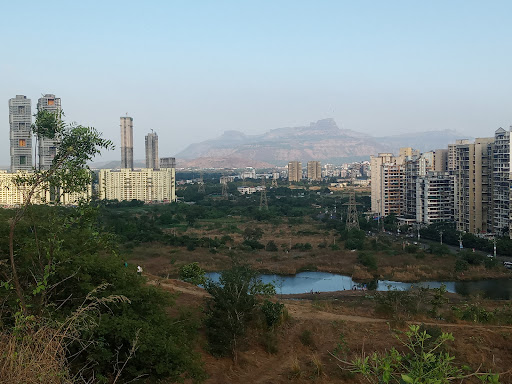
146 184
434 198
13 195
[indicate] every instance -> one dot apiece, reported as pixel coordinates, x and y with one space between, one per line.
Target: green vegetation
82 314
232 307
420 361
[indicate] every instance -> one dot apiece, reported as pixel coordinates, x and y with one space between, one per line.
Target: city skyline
390 67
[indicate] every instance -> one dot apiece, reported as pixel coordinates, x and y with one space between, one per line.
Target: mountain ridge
321 140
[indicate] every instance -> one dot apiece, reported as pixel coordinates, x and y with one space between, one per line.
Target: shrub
229 311
368 260
272 312
192 273
271 247
420 360
306 338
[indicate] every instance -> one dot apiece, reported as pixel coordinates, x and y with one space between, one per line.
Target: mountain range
322 140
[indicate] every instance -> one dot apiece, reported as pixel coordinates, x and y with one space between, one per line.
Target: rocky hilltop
322 140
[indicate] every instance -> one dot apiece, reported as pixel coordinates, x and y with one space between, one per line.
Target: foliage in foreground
424 361
233 305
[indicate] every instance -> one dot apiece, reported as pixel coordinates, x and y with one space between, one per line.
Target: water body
305 282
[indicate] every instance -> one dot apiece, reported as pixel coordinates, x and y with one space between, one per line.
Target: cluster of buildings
468 183
29 152
313 171
154 183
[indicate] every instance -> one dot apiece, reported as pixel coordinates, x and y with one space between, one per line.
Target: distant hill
322 140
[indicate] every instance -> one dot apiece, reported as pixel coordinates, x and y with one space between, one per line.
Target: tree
233 303
192 273
68 173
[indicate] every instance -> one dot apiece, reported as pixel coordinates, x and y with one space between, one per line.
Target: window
22 142
23 160
21 109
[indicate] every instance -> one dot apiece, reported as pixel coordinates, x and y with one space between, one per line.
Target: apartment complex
294 171
314 171
468 183
152 160
434 197
474 185
12 194
501 181
147 184
387 184
127 142
20 133
47 148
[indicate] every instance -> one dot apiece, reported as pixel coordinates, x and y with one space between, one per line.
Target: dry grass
35 357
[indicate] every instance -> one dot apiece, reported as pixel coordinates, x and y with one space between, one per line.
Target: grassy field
393 263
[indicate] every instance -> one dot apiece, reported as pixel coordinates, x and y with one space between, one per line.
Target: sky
192 69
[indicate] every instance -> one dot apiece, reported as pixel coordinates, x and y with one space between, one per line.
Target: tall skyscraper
47 148
152 160
20 121
126 142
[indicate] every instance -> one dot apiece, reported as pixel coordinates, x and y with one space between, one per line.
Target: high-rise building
47 148
126 142
388 183
473 186
501 181
434 197
294 171
314 171
452 153
441 160
14 194
147 184
167 162
20 121
152 160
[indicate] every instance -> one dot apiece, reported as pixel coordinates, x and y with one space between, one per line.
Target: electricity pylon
263 196
274 183
352 219
224 193
201 188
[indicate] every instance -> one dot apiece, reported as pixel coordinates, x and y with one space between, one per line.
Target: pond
305 282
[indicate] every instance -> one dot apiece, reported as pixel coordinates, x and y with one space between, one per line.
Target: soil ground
348 317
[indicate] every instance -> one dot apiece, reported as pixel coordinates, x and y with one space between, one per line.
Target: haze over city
191 70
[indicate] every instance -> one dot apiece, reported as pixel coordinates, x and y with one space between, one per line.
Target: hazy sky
192 69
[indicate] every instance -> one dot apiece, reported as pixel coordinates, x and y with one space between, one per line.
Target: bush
461 265
271 247
306 338
411 248
253 244
272 312
368 260
192 273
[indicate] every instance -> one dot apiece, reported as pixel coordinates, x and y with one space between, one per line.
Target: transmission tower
224 193
352 219
274 183
201 184
263 196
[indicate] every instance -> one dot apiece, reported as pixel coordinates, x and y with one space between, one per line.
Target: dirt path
299 310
